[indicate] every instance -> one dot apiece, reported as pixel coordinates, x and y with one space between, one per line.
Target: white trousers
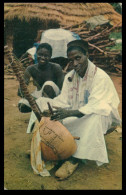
38 94
90 128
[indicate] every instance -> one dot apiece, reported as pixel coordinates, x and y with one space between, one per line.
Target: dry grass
64 13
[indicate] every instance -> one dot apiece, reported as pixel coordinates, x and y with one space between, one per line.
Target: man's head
44 53
77 52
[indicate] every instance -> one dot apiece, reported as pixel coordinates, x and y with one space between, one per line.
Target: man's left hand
61 113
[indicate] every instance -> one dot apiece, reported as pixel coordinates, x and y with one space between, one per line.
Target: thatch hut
23 21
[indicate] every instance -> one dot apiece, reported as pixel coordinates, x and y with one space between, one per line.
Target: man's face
79 61
43 56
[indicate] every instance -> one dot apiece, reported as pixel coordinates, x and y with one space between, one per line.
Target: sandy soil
18 174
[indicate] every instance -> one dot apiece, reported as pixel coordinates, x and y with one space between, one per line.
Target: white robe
95 96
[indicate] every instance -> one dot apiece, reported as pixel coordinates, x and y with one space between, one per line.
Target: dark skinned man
47 77
87 106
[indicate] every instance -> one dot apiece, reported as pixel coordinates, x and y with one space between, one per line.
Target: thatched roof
63 13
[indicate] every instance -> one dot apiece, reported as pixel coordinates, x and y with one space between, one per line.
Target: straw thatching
23 18
64 13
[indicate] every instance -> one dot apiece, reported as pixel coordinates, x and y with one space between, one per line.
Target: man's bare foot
67 168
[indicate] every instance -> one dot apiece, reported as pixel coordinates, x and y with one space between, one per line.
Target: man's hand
61 113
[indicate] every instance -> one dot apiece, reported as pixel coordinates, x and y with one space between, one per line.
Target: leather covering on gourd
57 143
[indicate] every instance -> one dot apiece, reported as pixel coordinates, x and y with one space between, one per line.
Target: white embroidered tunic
95 96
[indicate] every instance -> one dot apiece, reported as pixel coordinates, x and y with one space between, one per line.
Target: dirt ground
18 173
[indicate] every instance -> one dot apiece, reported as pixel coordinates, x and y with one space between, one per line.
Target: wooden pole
23 85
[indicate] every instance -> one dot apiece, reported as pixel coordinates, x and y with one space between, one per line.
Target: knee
48 91
24 108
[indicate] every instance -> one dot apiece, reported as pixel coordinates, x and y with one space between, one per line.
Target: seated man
87 106
47 77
